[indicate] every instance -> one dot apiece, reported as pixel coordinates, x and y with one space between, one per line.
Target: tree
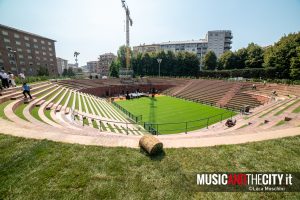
122 56
210 61
70 72
255 56
114 69
282 55
295 66
65 72
228 60
241 56
42 71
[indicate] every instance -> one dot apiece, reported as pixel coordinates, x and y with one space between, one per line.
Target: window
50 49
28 51
6 40
45 59
44 53
38 58
49 43
18 43
19 50
16 35
38 63
36 46
22 63
51 59
30 57
35 40
21 56
27 44
4 33
26 38
44 48
43 42
50 54
37 52
30 63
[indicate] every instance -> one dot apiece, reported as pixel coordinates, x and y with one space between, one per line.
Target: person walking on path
26 90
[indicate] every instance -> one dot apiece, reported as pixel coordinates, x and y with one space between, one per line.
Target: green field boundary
181 126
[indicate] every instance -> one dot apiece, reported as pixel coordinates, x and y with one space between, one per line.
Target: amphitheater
77 111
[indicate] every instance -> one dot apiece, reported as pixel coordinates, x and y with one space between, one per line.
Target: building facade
146 48
216 41
25 52
61 65
92 66
104 63
219 41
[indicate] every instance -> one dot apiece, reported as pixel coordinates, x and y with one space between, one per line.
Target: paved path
117 140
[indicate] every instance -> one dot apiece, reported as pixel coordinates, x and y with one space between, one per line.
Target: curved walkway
119 140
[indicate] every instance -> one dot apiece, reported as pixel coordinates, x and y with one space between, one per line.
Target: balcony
228 41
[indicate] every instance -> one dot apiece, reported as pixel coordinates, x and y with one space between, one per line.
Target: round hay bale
151 144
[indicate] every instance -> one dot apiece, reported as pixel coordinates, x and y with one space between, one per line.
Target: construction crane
128 23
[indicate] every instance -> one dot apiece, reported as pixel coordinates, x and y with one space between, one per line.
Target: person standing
22 76
12 79
26 90
5 78
2 81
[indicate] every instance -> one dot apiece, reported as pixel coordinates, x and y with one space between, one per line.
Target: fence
167 128
135 118
106 125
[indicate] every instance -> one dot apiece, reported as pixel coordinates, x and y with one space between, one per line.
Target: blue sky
93 27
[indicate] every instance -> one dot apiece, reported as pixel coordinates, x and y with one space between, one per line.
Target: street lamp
159 61
15 58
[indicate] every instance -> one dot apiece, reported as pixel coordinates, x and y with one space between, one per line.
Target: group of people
8 80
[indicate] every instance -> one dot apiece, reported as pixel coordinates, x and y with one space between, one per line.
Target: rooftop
185 42
24 32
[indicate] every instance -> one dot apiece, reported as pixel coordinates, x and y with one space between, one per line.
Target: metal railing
108 124
135 118
180 127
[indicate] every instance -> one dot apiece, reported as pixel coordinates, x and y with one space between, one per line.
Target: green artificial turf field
168 115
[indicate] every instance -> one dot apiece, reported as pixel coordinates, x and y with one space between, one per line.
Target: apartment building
104 63
217 41
61 65
21 51
92 66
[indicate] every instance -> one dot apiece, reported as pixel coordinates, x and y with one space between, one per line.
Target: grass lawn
70 103
19 111
297 110
48 115
35 113
41 169
175 112
2 107
287 107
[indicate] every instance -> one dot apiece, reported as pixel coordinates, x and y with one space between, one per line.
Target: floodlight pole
159 60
